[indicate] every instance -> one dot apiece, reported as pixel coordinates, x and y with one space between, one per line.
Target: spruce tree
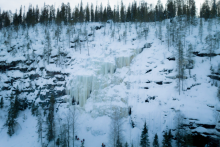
126 144
12 115
155 143
170 136
144 137
165 142
92 13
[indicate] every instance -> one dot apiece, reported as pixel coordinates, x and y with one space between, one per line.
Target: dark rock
90 35
129 111
24 103
31 69
28 90
152 97
193 85
214 77
34 76
148 82
167 82
146 88
205 54
55 56
60 78
159 83
148 70
171 58
6 88
146 101
98 27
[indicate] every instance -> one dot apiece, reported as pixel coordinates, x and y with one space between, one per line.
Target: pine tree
165 142
144 137
155 143
81 13
92 14
96 14
12 115
167 139
126 144
87 13
122 12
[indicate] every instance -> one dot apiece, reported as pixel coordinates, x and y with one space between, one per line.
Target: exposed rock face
205 54
215 77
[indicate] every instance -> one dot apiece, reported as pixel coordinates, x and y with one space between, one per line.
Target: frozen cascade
81 87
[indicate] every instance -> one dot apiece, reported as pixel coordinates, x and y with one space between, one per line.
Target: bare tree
116 127
68 32
57 34
74 122
209 42
180 67
40 126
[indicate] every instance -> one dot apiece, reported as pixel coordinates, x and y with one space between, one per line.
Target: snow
113 76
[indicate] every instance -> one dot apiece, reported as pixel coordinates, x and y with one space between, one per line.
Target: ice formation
82 85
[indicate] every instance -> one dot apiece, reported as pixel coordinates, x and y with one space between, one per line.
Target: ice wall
82 85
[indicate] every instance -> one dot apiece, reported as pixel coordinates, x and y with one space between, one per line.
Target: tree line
142 12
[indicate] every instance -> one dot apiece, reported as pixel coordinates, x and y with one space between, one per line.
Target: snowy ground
116 74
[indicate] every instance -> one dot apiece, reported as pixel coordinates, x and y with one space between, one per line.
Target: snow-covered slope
105 70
